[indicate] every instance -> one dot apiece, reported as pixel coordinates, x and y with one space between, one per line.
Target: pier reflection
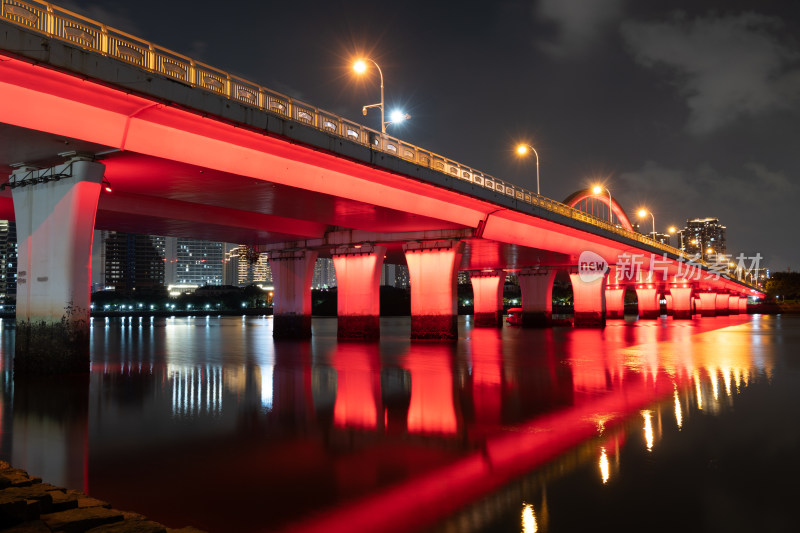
389 436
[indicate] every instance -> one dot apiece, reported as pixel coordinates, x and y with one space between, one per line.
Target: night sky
687 107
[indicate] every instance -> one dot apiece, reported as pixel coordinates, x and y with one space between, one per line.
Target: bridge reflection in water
210 422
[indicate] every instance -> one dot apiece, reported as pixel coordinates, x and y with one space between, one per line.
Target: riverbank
27 505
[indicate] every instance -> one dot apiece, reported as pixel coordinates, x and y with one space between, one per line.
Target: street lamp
672 230
643 213
598 189
360 66
522 149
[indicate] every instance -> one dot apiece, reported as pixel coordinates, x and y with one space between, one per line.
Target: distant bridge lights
522 150
360 66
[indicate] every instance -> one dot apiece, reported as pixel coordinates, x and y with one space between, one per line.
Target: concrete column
433 274
536 286
708 304
743 305
733 305
721 304
55 211
681 302
291 275
670 309
487 290
649 306
615 301
589 301
697 304
358 279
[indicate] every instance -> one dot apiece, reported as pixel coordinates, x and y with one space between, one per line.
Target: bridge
189 150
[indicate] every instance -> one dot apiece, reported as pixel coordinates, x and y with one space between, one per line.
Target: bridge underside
155 196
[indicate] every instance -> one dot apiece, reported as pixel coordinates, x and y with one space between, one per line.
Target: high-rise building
8 261
134 263
251 269
704 236
324 274
190 262
663 238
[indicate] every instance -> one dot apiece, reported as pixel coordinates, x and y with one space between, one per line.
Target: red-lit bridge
193 151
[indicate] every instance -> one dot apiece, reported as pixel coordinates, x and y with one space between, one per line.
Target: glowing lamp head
398 116
360 66
597 189
522 149
642 213
672 229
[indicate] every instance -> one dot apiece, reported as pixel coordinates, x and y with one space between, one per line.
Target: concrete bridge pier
743 305
721 304
487 290
589 301
649 305
615 295
681 302
536 286
433 274
733 305
358 279
292 271
708 304
55 210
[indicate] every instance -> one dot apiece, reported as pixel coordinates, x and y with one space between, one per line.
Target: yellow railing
65 25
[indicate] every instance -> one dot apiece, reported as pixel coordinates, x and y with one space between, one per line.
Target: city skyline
588 84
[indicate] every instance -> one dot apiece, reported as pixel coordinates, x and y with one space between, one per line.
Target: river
657 425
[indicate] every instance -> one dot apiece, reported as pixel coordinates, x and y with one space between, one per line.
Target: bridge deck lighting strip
59 23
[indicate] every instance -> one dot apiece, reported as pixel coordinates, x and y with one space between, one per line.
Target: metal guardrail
53 21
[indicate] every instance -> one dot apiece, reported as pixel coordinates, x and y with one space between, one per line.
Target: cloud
578 23
726 67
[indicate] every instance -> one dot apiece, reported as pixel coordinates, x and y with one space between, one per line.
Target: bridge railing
89 34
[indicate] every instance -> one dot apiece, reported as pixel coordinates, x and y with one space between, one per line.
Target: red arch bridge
193 151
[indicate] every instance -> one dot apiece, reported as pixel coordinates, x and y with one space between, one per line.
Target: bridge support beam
536 286
649 305
358 278
721 304
743 305
487 291
681 302
55 211
589 302
670 308
433 275
291 276
708 304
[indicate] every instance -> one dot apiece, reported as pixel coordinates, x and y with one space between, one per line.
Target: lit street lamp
360 66
522 149
598 189
672 230
643 213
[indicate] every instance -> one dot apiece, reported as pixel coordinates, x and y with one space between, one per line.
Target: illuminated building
134 262
705 236
190 262
324 274
8 261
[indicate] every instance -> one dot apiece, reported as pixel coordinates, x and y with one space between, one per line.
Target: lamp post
598 189
360 66
672 230
522 149
643 213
